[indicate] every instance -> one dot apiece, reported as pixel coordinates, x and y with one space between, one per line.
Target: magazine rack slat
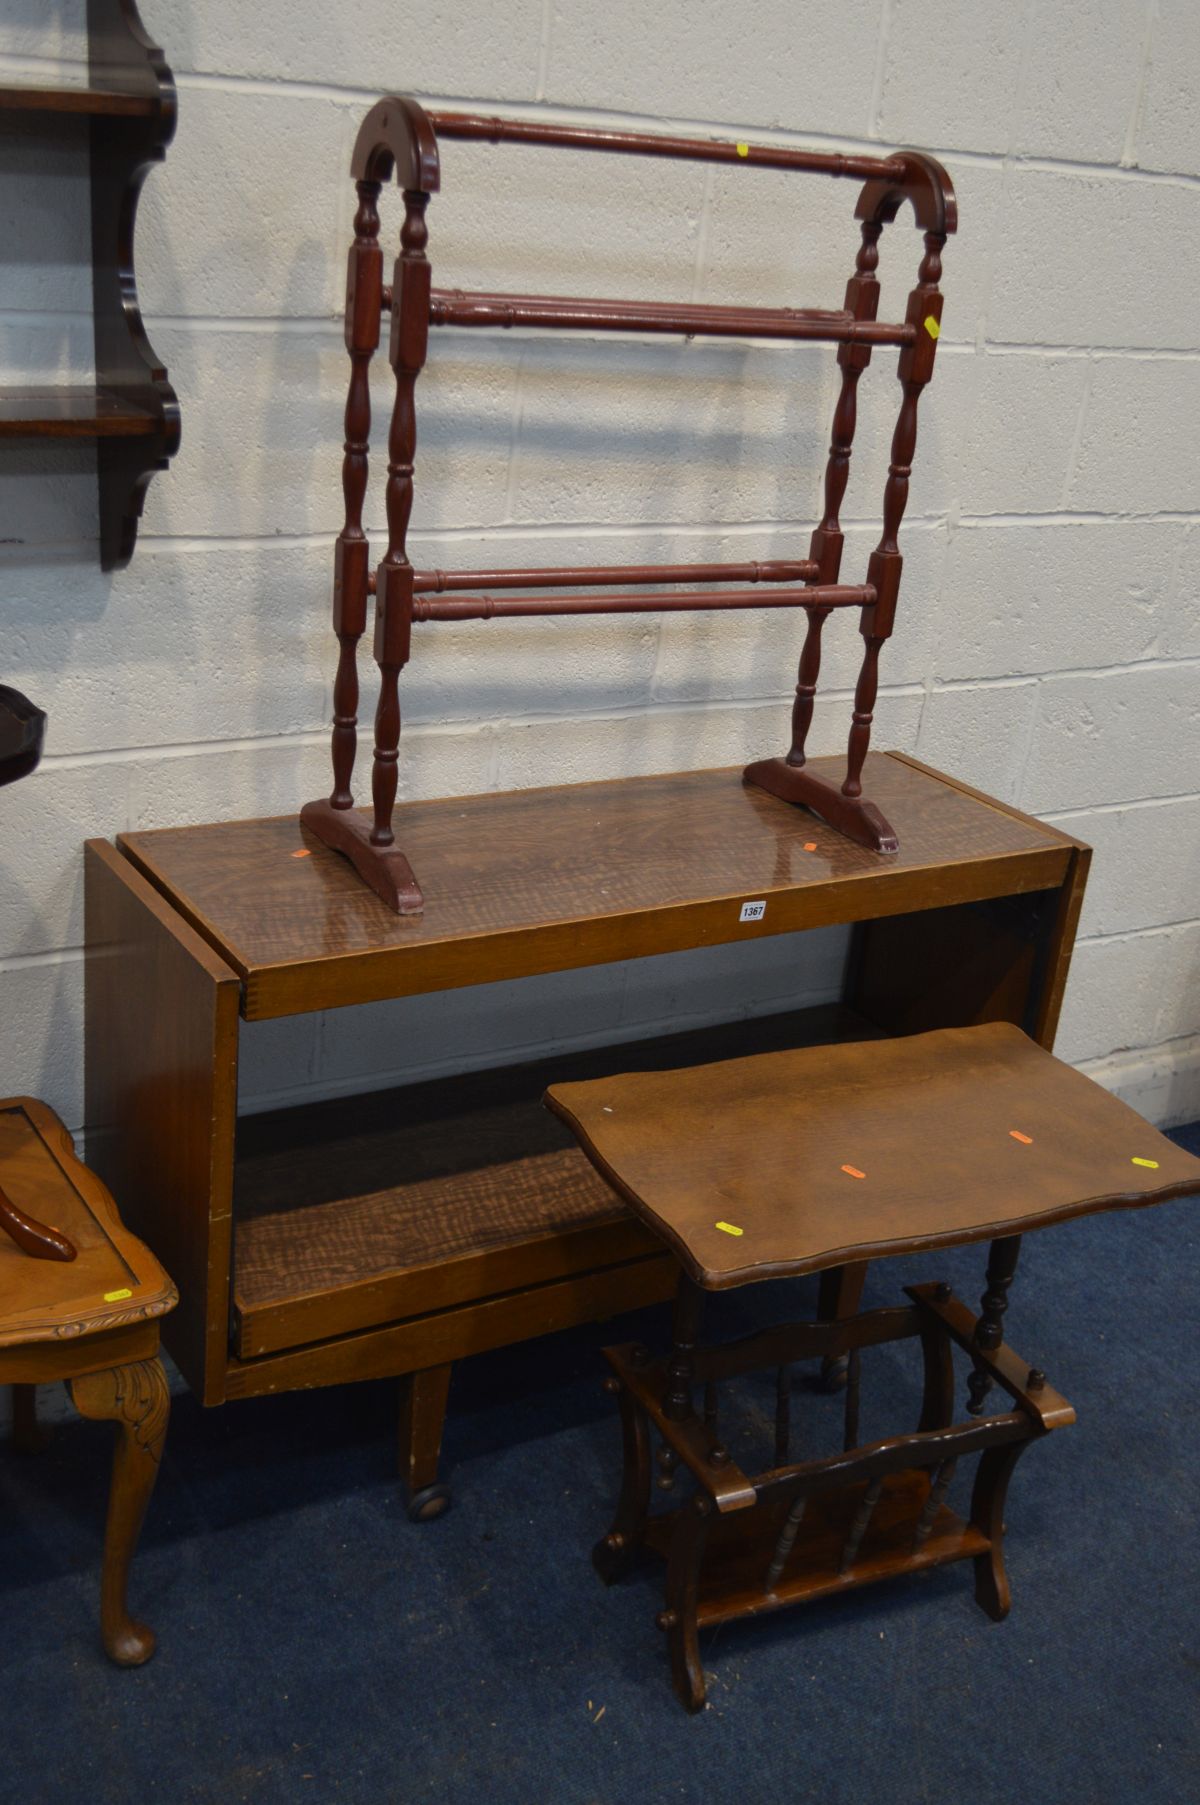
399 137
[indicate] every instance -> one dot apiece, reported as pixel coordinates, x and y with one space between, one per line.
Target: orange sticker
1026 1140
810 846
853 1172
302 854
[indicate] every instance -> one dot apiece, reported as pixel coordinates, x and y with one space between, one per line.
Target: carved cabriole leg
995 1469
136 1398
617 1551
364 289
682 1594
989 1327
423 1398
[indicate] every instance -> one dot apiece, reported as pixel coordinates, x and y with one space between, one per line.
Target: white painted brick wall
1049 642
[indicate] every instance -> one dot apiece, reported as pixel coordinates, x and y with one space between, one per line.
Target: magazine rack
401 137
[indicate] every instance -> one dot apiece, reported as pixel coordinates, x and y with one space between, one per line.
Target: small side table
791 1162
80 1300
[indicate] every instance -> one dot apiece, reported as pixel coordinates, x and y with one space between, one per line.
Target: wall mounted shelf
131 412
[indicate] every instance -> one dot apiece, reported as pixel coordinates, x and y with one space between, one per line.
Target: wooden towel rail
399 137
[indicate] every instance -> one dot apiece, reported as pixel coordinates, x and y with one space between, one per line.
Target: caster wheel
835 1370
425 1505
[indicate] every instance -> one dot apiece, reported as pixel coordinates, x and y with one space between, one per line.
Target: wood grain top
114 1280
793 1161
551 879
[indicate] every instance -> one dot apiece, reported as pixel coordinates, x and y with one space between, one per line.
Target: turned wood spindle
689 1309
858 1528
989 1327
938 1488
786 1542
394 579
364 277
853 1390
862 301
915 369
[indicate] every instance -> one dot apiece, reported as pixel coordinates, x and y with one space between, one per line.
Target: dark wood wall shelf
94 102
76 412
397 1232
126 119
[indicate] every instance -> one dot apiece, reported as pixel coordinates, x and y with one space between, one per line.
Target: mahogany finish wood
27 98
455 307
789 1162
71 413
92 1321
396 1233
494 130
824 1155
127 115
489 607
777 570
745 1544
398 137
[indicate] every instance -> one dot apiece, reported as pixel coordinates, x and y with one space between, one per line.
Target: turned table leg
136 1398
422 1417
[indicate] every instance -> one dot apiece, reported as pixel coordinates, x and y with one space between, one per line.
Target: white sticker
753 911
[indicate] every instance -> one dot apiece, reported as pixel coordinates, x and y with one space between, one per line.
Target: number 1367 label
753 911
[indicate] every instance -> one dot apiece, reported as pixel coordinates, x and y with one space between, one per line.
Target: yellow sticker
743 150
114 1297
727 1228
932 327
1152 1163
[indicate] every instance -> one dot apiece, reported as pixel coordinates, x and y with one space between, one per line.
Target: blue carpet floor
314 1645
